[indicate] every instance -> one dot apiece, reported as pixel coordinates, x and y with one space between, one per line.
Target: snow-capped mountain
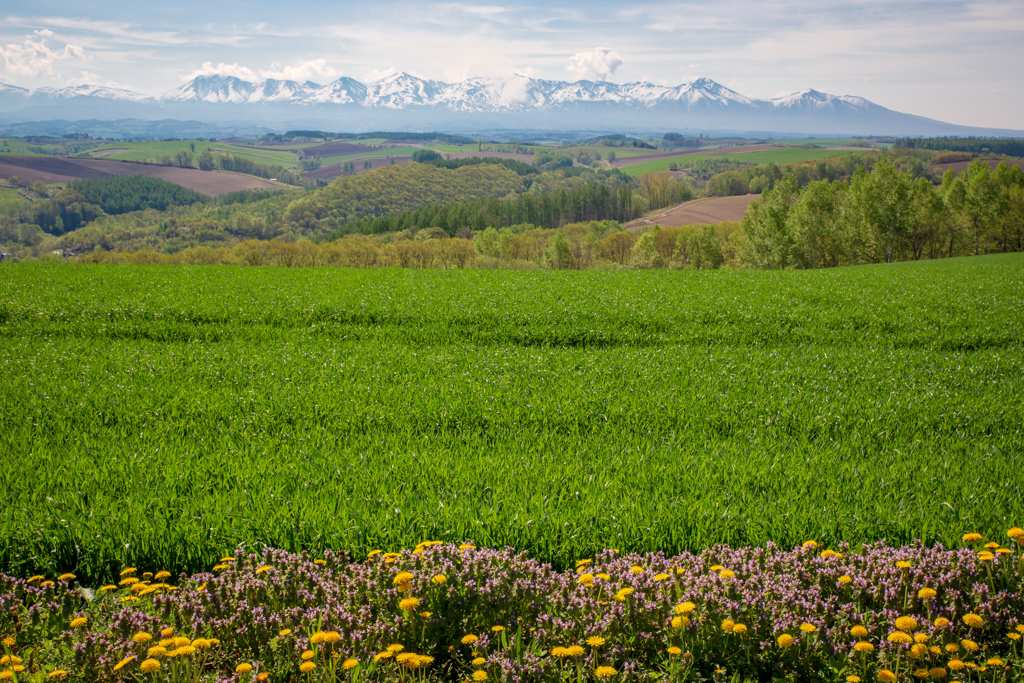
404 101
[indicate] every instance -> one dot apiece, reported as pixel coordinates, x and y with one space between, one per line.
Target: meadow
160 416
782 155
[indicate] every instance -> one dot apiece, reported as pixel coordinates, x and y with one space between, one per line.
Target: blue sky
955 61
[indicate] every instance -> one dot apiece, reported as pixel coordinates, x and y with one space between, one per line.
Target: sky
956 61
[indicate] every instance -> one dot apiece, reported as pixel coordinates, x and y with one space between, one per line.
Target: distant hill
404 102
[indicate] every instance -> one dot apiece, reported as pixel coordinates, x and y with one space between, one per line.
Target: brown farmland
708 210
332 171
338 149
49 170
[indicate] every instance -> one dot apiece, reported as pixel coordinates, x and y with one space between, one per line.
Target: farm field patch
778 155
158 416
49 169
708 210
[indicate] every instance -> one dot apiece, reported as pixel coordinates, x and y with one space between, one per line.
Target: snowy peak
813 99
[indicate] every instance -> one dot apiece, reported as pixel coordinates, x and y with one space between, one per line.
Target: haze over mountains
405 102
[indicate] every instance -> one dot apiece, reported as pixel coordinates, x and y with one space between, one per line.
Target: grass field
782 155
152 150
160 416
11 201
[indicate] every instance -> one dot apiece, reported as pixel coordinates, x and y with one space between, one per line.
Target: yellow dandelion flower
972 537
157 651
859 631
994 661
986 556
317 638
941 622
167 632
886 676
149 665
921 673
409 604
726 574
808 628
902 564
108 587
937 672
479 675
685 608
906 623
469 639
863 646
605 672
124 662
201 644
622 594
973 620
128 581
402 577
810 544
263 569
1019 628
127 570
602 576
852 679
739 629
717 567
66 577
58 673
918 650
307 655
44 584
349 664
660 577
952 647
920 637
955 665
467 546
7 660
926 593
79 622
284 632
439 579
479 661
595 641
825 554
575 650
1015 533
6 675
142 637
160 575
383 655
727 624
10 641
395 647
332 637
227 558
306 667
785 640
1012 635
969 645
635 569
559 651
497 629
243 668
585 579
220 567
900 637
844 579
935 650
674 651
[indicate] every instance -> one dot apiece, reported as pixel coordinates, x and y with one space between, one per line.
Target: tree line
886 215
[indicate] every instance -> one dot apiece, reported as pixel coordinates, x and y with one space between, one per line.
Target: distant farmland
765 155
702 211
30 169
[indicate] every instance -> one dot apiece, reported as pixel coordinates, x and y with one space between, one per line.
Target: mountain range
405 102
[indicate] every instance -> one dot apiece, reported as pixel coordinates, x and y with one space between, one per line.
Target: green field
782 155
160 416
151 151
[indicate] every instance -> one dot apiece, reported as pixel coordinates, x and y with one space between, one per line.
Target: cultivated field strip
161 416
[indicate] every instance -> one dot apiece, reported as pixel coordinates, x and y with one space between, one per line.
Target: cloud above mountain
601 62
33 56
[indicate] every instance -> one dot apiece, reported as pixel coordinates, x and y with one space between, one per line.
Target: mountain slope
403 101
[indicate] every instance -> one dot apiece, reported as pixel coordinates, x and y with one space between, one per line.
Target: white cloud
311 70
222 69
89 78
377 74
34 57
600 62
